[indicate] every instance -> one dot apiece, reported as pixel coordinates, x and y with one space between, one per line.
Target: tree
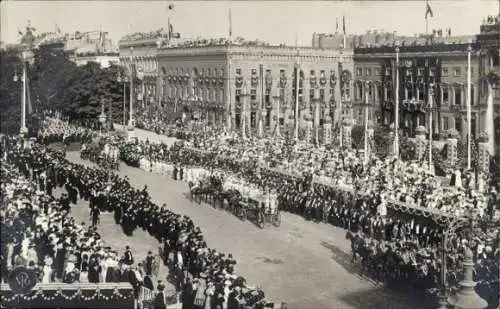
10 91
58 84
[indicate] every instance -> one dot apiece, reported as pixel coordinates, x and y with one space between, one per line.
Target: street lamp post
26 58
123 80
102 117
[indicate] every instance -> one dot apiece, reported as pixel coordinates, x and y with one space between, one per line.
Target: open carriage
258 209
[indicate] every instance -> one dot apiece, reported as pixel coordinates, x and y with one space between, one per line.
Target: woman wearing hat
200 297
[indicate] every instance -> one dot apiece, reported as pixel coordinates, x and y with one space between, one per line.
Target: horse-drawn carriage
261 210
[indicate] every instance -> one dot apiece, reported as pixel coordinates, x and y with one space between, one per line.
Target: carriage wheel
243 214
260 220
277 219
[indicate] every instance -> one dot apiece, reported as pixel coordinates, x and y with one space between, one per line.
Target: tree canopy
57 83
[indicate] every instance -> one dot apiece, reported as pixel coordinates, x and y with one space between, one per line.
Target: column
327 130
276 113
421 142
452 155
309 127
484 162
346 134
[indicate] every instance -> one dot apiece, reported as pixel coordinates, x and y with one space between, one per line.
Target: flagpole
469 116
229 74
24 129
431 97
426 18
297 78
396 118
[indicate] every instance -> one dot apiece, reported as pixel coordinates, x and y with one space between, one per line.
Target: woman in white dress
47 270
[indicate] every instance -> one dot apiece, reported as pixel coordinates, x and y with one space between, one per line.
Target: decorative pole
297 79
131 106
341 100
431 98
367 86
469 116
396 118
23 130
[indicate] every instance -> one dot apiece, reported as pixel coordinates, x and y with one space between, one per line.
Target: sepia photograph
250 154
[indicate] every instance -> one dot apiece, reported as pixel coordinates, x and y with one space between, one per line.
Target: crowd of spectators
204 276
399 245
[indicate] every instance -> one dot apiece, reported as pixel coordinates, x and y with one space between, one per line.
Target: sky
271 21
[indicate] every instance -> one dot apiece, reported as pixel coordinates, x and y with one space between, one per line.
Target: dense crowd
37 230
205 277
389 208
393 245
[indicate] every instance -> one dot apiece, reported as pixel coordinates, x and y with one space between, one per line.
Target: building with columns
435 63
232 85
141 50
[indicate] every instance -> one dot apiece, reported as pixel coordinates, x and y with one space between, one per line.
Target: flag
490 127
343 24
428 10
230 24
170 30
170 6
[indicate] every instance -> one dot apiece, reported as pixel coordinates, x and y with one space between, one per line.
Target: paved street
302 263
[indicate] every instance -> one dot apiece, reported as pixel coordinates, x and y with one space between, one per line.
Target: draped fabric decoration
490 127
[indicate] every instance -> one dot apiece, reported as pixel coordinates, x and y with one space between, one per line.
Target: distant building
104 60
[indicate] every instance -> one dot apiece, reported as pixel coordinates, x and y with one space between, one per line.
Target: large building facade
224 83
439 65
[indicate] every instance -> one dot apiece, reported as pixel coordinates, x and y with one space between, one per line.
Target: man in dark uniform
95 213
128 258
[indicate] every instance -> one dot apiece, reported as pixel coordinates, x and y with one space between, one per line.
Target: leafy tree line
57 83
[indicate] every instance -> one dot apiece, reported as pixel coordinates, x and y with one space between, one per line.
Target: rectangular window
332 91
253 94
282 93
322 73
421 94
445 123
446 95
444 71
237 95
311 94
322 95
359 71
267 95
377 71
359 92
458 96
368 72
420 72
238 71
388 71
457 72
458 125
254 71
312 72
